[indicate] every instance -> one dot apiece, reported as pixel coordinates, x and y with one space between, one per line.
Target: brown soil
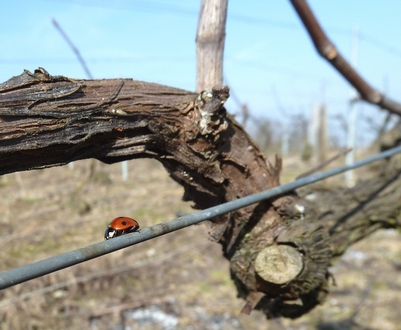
178 281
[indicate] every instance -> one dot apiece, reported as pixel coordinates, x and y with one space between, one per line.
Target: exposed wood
330 53
278 264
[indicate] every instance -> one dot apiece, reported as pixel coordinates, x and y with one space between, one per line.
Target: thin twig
75 49
329 52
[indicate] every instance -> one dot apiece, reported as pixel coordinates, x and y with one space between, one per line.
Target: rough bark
352 214
52 120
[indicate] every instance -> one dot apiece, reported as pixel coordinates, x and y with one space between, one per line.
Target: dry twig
329 52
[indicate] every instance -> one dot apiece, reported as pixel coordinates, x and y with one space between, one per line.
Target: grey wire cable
46 266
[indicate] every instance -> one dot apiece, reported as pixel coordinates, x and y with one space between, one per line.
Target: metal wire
40 268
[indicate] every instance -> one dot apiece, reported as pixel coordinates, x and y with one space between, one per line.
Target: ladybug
121 226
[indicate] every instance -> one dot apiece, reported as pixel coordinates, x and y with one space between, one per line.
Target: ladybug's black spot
124 223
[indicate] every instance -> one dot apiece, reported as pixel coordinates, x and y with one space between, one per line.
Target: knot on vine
210 104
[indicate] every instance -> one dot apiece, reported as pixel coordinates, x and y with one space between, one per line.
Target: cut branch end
279 264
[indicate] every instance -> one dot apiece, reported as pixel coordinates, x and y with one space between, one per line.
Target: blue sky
270 62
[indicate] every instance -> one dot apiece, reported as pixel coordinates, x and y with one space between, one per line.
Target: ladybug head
110 233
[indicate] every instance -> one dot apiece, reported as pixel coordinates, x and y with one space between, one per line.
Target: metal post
124 170
352 114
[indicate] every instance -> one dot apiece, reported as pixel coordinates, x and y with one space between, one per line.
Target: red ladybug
120 226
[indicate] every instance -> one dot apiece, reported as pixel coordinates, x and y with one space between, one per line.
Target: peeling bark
52 120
